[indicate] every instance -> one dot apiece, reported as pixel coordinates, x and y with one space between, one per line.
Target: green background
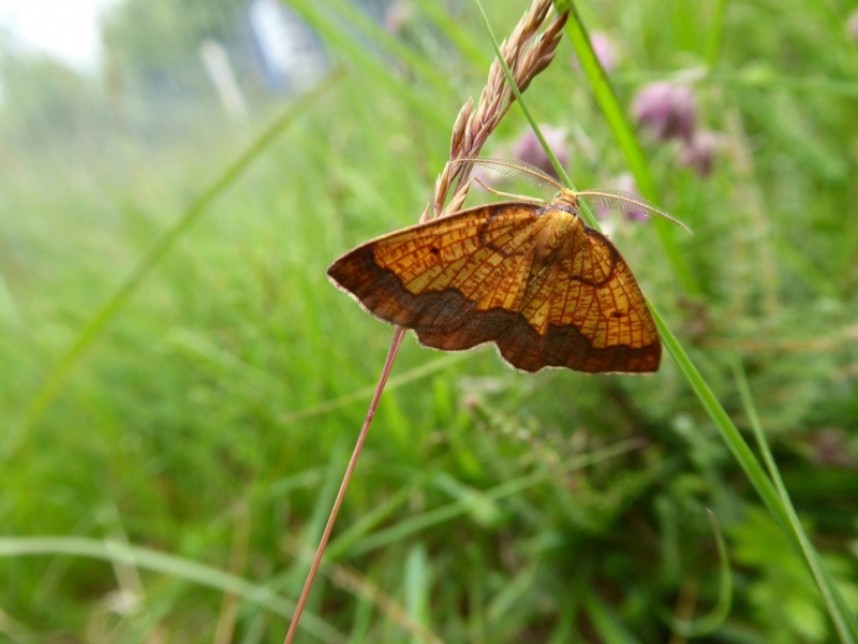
169 460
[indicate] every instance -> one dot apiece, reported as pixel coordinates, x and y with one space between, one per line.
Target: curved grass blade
840 613
176 567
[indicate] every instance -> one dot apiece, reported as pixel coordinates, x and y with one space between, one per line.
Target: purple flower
852 25
668 109
399 15
605 49
698 153
625 185
528 149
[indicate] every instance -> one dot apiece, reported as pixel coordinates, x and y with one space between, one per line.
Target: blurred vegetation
185 468
134 33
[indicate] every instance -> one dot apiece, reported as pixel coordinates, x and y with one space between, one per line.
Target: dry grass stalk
526 53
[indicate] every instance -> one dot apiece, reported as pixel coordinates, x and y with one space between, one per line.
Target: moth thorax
565 200
558 232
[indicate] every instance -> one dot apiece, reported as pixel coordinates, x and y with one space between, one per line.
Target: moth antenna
616 200
612 199
520 169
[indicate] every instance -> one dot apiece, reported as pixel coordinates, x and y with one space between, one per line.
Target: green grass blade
519 97
740 449
716 34
624 134
729 432
606 622
343 34
415 374
842 617
176 567
745 457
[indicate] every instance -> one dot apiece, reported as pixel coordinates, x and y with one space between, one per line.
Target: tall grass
176 483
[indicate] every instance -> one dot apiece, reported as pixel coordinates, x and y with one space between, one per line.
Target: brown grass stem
527 52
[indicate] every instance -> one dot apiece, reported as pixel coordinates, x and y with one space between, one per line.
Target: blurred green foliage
213 418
